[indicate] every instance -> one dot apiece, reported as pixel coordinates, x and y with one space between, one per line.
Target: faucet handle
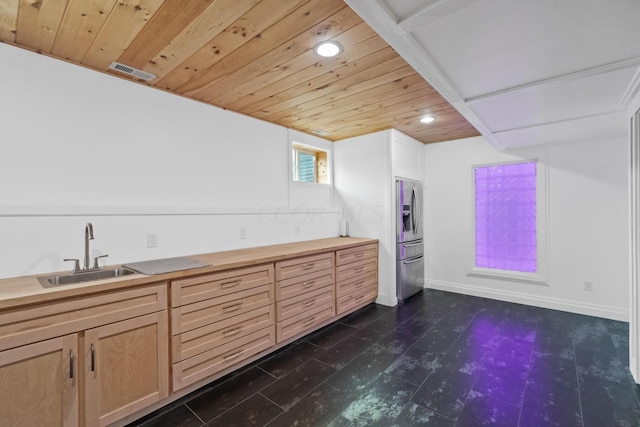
76 266
95 262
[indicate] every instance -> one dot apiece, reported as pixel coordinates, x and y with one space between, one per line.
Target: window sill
512 276
310 184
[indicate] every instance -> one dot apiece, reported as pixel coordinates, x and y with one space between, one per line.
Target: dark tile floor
440 359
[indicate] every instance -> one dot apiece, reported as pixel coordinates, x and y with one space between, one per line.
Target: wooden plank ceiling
254 57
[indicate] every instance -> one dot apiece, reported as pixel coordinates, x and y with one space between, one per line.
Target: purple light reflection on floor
505 351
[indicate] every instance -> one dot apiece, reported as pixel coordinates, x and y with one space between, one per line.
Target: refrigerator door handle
414 209
410 245
419 218
411 261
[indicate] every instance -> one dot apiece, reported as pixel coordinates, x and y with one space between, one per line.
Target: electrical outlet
588 285
152 240
296 230
243 233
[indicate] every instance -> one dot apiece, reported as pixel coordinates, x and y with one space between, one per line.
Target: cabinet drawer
208 363
355 269
356 283
303 303
219 333
347 256
39 322
302 284
192 316
195 289
356 299
303 265
297 325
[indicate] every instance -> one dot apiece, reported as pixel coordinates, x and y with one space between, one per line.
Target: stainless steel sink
69 278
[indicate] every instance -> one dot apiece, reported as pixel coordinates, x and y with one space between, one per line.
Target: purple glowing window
506 217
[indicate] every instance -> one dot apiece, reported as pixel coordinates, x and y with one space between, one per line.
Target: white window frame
312 144
540 277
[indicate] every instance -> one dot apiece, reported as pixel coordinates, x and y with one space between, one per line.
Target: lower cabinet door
39 383
126 367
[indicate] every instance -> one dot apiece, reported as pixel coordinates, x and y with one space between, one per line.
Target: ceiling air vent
134 72
321 132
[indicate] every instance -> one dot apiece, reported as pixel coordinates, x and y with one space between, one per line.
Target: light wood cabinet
207 312
301 304
26 325
220 319
196 341
98 357
306 294
210 362
39 383
347 256
356 277
304 265
92 376
126 367
302 284
199 288
304 322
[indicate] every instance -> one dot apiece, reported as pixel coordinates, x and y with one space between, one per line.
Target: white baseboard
606 312
387 300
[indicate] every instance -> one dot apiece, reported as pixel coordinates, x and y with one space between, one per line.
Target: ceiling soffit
521 71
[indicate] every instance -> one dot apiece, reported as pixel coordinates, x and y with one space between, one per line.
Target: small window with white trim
309 164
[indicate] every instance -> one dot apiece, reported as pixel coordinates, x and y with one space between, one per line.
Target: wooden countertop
19 291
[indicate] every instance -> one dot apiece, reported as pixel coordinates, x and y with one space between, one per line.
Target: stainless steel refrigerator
409 239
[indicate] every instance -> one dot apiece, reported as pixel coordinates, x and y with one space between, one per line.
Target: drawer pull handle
360 297
93 358
309 321
358 269
232 307
230 284
308 266
232 355
308 284
71 364
358 254
359 284
310 302
232 332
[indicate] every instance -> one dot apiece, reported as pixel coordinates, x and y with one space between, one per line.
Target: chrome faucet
88 235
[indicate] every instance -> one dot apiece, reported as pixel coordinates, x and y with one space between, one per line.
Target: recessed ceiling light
328 49
427 119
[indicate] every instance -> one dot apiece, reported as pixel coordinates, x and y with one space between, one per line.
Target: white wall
366 168
78 145
634 225
363 188
588 227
